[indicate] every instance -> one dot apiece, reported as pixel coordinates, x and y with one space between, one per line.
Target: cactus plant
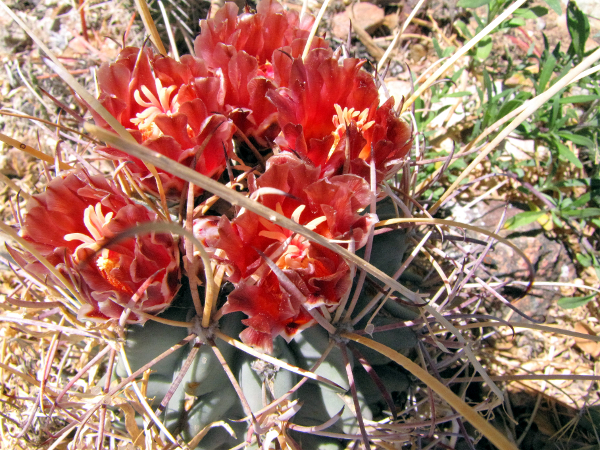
265 344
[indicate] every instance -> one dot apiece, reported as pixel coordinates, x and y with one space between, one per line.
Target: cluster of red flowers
320 116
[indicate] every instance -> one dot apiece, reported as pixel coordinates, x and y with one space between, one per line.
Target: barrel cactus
299 418
247 320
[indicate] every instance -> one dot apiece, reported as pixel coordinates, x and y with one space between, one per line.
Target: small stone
368 17
391 21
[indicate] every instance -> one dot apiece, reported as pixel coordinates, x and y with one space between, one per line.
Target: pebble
368 17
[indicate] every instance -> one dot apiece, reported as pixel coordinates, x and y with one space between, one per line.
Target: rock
549 258
392 21
396 89
368 17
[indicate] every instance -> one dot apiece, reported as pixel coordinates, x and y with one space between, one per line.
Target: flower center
94 221
154 106
341 121
107 260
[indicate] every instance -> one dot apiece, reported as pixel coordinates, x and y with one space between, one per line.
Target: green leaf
581 200
508 107
525 13
484 48
487 82
457 74
504 93
559 223
438 50
480 24
449 51
458 94
577 139
459 164
522 219
574 302
581 213
555 5
566 153
472 3
579 29
584 260
539 11
555 110
463 28
545 74
515 22
579 99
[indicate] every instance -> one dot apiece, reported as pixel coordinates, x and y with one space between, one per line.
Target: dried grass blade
8 231
50 326
142 7
28 378
314 29
392 46
4 179
32 151
198 438
163 11
144 402
70 80
482 425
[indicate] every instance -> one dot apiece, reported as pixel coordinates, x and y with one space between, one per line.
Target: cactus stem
321 427
303 373
149 365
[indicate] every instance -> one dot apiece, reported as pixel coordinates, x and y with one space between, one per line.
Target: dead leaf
131 425
588 347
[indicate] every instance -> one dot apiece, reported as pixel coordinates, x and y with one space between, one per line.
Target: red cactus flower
171 107
258 35
321 276
71 224
328 206
241 51
328 105
376 134
271 312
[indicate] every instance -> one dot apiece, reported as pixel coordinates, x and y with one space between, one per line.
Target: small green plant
560 180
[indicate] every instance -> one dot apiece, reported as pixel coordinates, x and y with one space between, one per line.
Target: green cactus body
325 401
262 382
400 339
214 406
